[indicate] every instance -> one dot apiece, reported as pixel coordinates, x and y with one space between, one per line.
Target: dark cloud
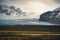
10 10
57 1
1 1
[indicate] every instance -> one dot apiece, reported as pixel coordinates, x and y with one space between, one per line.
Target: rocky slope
51 16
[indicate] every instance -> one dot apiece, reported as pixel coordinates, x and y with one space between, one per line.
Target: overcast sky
37 6
32 5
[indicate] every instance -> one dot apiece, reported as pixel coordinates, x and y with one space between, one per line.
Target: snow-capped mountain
51 16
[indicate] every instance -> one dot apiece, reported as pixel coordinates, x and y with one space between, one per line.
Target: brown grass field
29 33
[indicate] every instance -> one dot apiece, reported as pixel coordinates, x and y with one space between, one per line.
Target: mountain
51 16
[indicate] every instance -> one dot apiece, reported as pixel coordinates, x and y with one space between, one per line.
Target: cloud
57 1
1 1
15 1
36 6
11 12
8 10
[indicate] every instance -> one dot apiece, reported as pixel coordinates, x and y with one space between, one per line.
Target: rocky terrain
51 16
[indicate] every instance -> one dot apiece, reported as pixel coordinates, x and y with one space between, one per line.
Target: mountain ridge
51 16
